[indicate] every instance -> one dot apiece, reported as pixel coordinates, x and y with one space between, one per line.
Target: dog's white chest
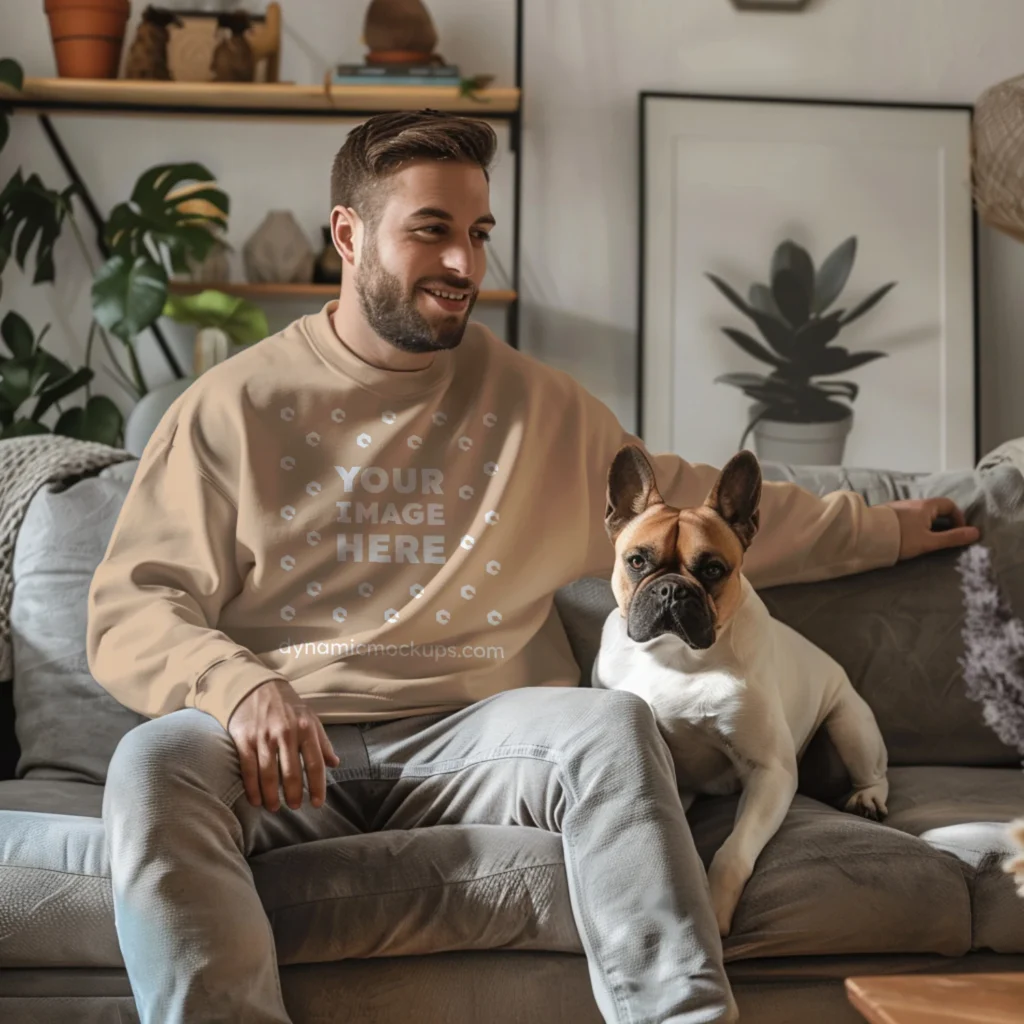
758 694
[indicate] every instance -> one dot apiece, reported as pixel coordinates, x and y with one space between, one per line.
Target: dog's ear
737 495
631 489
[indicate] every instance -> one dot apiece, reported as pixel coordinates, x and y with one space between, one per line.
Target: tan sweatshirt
389 541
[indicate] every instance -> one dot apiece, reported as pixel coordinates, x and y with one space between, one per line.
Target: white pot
212 346
802 444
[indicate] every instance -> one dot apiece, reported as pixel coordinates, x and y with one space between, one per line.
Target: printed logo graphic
394 514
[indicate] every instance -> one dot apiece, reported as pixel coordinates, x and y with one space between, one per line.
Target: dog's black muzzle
671 604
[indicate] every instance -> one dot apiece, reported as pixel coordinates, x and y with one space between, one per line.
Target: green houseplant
796 415
224 322
163 226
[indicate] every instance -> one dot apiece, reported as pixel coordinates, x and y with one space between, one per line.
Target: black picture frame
645 96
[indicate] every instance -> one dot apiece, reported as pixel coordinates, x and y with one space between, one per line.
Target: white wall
586 61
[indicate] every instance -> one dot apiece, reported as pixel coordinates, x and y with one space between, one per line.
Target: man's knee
605 716
184 748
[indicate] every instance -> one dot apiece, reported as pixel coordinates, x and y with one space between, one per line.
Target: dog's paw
870 802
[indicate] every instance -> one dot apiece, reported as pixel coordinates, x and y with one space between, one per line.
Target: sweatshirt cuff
225 684
881 537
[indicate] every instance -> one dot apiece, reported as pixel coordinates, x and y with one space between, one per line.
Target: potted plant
225 322
87 36
164 227
797 417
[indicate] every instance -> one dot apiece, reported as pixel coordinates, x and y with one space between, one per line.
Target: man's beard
394 316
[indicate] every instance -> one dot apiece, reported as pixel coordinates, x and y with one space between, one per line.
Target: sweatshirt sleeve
802 537
154 601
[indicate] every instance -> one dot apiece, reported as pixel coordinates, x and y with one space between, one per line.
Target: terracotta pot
88 36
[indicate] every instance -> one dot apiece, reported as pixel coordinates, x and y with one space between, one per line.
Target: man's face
420 269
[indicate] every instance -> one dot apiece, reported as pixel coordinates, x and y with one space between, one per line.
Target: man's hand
916 517
271 728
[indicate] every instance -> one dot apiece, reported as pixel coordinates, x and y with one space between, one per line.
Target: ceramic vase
278 251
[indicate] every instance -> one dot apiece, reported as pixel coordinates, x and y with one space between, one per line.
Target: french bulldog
737 695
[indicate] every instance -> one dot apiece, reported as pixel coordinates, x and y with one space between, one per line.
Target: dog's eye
714 571
636 561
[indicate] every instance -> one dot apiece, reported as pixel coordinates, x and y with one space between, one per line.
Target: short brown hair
380 145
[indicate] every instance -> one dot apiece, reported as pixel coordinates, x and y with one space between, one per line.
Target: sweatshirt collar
319 329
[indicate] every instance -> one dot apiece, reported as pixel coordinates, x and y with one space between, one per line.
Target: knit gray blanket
26 464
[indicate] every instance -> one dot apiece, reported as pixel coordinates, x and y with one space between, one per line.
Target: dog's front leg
767 794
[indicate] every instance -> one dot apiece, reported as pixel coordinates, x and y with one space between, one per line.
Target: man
347 538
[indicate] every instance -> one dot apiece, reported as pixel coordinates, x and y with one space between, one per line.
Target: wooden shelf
251 99
272 292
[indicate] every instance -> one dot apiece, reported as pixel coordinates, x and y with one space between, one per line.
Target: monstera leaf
162 214
128 295
29 211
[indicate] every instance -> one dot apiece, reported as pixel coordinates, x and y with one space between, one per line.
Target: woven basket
999 156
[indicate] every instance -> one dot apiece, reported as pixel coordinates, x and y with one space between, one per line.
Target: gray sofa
474 923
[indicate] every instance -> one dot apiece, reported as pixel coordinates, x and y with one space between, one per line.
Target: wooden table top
939 998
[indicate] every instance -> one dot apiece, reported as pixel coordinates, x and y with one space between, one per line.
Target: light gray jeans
585 763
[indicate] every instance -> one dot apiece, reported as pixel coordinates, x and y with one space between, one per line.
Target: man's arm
155 599
802 537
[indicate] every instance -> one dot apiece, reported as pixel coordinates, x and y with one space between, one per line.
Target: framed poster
807 282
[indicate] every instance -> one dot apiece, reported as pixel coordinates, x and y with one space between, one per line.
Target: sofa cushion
830 883
897 631
67 724
410 892
56 907
827 883
963 812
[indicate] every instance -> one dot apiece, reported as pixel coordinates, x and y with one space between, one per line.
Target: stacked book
396 74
